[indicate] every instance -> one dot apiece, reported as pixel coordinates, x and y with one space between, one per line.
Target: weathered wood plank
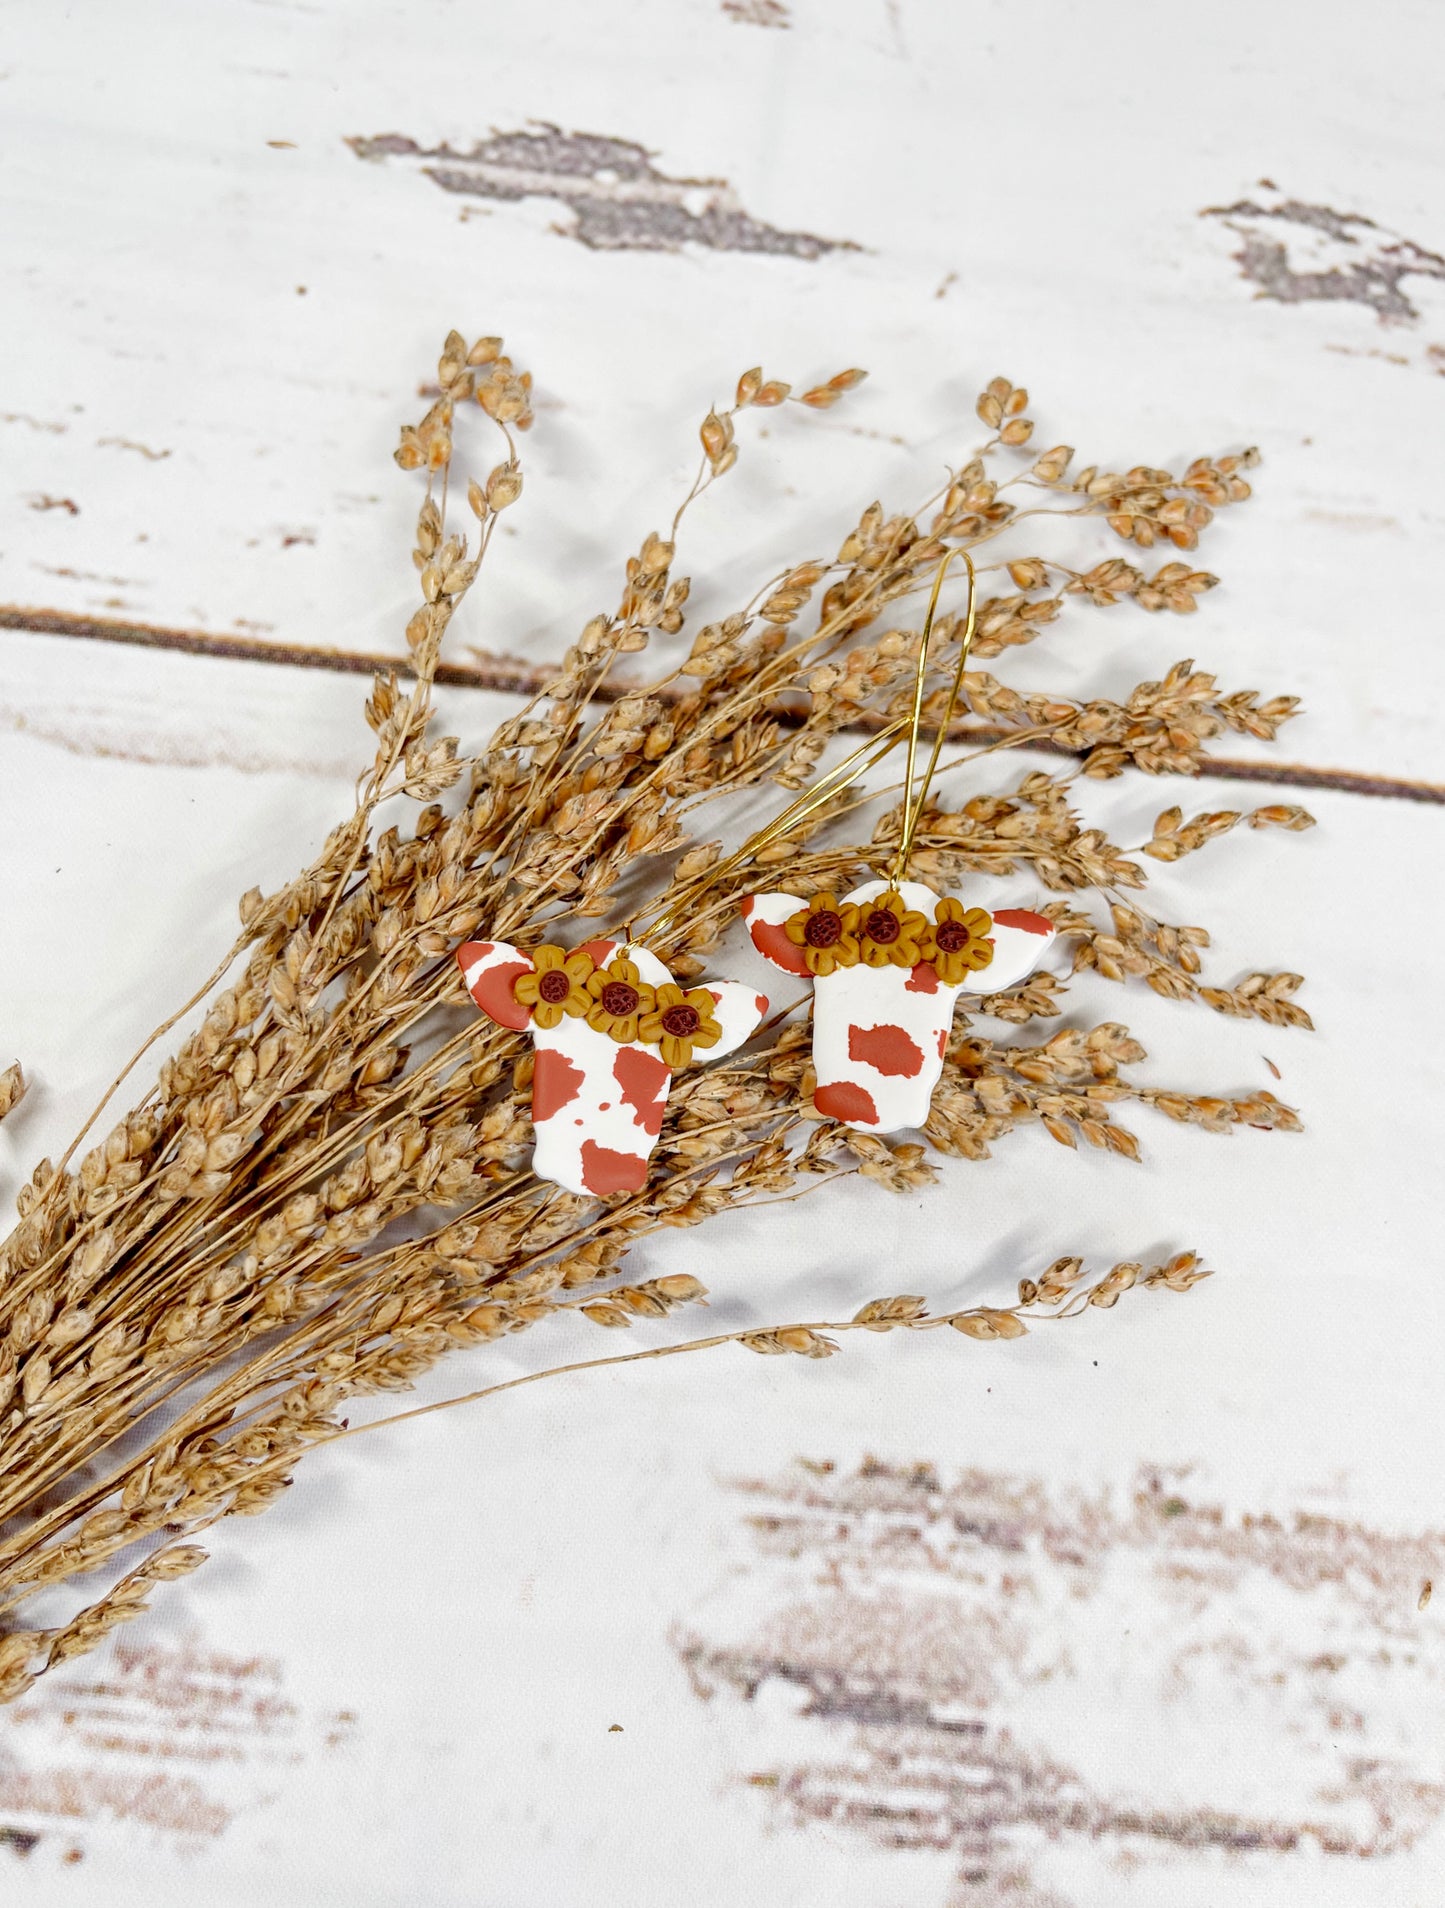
455 1667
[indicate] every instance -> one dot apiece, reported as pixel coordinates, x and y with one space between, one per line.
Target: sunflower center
620 1000
883 926
554 986
681 1021
824 929
952 936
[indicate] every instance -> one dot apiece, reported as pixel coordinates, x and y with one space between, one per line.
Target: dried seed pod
326 1190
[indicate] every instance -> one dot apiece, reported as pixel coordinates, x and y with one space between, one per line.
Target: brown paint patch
758 13
88 734
129 443
929 1628
887 1049
180 1739
556 1082
619 200
923 979
843 1100
605 1171
1344 257
492 989
643 1079
35 423
90 1794
601 952
1025 920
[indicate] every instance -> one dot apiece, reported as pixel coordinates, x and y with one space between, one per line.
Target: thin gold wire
813 797
913 805
863 758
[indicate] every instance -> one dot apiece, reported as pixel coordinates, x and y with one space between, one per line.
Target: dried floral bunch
327 1187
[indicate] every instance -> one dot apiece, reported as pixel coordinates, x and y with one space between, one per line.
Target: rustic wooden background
1135 1614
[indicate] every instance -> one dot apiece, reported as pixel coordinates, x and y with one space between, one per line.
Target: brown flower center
824 929
681 1021
554 986
620 1000
883 927
952 936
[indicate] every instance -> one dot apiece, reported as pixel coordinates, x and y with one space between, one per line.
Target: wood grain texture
510 676
228 255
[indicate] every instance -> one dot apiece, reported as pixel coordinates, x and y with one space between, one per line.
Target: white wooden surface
401 1685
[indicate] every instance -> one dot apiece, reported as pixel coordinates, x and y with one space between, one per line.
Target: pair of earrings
610 1025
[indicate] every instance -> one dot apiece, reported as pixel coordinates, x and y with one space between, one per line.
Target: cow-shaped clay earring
888 962
890 959
609 1026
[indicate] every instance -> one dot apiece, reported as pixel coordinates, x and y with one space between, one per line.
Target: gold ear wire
863 758
913 806
813 797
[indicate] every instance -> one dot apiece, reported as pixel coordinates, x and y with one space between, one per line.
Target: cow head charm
609 1026
888 963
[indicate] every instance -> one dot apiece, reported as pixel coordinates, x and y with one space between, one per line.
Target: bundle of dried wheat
327 1187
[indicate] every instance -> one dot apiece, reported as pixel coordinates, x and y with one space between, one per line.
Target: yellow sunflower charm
826 932
620 997
889 931
557 986
679 1022
957 943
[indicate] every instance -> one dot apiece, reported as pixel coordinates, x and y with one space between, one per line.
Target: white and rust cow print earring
889 960
609 1027
888 963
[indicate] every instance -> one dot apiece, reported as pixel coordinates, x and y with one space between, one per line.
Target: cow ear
739 1010
1020 941
765 915
491 969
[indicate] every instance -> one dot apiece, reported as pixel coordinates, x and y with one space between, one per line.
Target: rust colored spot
606 1171
643 1079
773 944
492 989
942 1042
1025 920
842 1100
922 980
601 951
887 1049
555 1083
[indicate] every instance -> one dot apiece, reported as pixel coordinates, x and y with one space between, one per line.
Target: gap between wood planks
509 676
